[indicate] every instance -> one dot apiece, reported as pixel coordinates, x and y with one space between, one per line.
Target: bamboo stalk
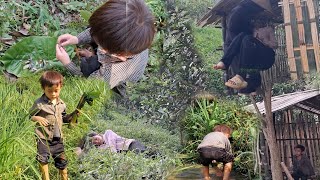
289 40
302 40
314 33
310 150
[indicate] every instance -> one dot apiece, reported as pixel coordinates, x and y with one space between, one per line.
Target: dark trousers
252 54
208 154
137 147
89 65
299 175
54 148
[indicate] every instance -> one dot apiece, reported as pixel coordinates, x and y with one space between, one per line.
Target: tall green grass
17 138
200 121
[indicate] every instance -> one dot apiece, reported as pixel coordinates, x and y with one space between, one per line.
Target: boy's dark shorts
54 148
208 154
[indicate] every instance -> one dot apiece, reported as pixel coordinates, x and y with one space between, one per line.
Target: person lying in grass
49 111
214 148
111 141
123 31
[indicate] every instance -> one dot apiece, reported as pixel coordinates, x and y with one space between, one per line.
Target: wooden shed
297 27
296 118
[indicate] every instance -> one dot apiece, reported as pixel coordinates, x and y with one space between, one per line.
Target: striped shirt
114 73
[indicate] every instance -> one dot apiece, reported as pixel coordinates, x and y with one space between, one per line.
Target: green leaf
31 54
85 15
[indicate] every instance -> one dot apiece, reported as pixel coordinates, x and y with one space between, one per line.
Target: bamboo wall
279 72
293 127
302 38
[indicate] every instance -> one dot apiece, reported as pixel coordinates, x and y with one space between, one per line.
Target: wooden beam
289 40
302 40
314 33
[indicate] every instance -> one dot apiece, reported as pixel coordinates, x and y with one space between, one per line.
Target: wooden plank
302 40
289 40
314 32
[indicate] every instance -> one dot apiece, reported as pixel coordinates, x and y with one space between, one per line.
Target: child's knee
60 163
43 159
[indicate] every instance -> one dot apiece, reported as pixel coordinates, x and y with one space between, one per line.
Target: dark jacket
303 165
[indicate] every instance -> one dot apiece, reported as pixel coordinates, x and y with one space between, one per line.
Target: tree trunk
270 135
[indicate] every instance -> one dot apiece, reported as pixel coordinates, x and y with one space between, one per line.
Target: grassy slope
206 41
15 122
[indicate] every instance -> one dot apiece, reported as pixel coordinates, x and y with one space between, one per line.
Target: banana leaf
32 54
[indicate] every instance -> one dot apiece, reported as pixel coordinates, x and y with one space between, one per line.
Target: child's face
52 92
97 140
298 152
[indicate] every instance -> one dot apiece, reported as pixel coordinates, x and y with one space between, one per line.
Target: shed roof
223 7
308 100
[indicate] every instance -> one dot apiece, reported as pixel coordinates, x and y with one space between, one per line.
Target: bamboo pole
314 32
289 40
285 169
308 139
302 40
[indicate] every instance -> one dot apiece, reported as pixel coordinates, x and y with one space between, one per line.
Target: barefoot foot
220 65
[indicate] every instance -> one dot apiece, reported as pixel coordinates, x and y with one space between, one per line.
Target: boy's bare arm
41 120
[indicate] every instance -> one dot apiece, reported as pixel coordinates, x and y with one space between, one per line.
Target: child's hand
41 120
62 55
67 39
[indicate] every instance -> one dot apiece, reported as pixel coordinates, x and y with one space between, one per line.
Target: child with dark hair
302 167
216 147
49 111
123 31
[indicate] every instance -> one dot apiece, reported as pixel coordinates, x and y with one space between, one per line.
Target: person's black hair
300 147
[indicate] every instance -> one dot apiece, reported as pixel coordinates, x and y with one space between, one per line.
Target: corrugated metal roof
286 100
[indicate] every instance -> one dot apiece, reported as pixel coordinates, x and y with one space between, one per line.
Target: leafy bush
200 121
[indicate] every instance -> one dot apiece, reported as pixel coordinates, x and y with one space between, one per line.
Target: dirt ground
194 173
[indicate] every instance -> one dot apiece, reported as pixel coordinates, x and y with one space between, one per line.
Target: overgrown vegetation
205 115
17 139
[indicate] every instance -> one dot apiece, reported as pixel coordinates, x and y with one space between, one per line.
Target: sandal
236 82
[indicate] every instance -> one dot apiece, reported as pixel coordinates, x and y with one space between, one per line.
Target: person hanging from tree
255 53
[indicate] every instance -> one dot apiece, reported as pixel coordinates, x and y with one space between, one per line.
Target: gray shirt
113 73
216 139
